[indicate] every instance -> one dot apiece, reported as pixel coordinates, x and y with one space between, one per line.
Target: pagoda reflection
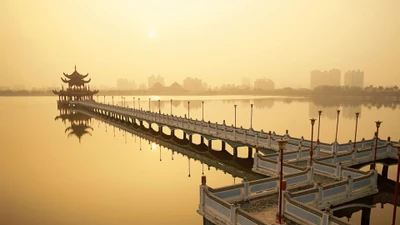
79 123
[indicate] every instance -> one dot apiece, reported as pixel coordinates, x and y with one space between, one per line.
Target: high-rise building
125 84
246 82
194 84
155 79
324 78
354 78
264 84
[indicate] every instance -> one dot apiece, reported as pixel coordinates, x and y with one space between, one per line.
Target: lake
49 176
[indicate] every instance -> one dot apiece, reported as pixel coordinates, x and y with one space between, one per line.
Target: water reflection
378 204
218 159
78 122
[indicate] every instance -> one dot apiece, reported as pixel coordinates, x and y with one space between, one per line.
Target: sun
151 34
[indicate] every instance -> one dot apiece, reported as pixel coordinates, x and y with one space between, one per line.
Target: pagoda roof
75 75
75 78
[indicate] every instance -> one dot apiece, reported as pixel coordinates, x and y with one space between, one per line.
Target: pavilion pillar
250 153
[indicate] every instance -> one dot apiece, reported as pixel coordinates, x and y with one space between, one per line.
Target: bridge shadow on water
80 122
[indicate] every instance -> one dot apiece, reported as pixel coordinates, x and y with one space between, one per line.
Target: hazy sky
219 41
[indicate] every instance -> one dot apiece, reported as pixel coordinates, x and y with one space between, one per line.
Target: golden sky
218 41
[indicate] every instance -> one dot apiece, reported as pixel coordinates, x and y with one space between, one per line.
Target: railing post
299 154
269 140
320 193
233 213
311 180
255 161
256 139
339 170
325 216
375 181
246 189
350 189
224 130
318 150
334 158
363 143
203 188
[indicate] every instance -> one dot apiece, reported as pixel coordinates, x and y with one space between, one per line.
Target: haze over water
47 177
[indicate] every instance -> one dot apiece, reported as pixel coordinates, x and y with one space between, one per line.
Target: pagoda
77 89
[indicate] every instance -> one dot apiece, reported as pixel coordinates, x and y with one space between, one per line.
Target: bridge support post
201 140
160 130
209 144
184 136
223 147
141 123
172 133
235 152
385 169
365 215
191 139
250 153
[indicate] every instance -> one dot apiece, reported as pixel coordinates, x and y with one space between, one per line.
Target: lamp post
202 110
235 114
251 116
188 109
113 100
171 107
396 190
133 101
378 124
319 124
159 107
104 99
337 124
282 146
149 104
312 139
355 131
139 102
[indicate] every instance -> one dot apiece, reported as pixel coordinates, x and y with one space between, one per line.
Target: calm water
48 177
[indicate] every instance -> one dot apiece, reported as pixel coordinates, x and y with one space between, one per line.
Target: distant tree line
369 92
